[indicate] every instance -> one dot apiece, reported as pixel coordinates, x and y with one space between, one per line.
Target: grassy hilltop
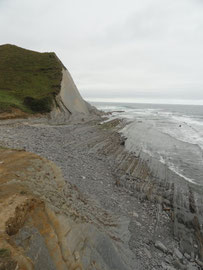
28 80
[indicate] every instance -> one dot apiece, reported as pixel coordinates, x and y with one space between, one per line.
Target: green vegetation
3 148
28 80
4 253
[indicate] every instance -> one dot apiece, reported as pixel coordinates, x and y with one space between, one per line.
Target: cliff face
70 95
69 100
33 82
43 221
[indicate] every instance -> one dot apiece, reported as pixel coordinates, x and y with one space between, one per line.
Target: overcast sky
132 49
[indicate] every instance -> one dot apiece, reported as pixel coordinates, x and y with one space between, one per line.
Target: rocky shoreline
93 158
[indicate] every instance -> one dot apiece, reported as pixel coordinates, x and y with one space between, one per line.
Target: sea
169 135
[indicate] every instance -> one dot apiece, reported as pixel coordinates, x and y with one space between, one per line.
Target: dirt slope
47 224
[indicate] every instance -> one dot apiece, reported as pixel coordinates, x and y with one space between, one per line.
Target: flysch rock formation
70 95
69 99
69 103
46 223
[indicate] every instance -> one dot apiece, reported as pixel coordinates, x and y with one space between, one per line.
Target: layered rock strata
182 200
46 223
69 100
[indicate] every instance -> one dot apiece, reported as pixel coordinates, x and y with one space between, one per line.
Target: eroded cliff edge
34 83
47 224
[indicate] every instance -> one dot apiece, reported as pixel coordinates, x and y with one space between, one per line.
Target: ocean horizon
147 101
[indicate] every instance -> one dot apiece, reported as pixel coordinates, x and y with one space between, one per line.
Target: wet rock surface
93 158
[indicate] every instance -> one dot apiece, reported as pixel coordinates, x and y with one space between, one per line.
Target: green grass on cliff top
28 80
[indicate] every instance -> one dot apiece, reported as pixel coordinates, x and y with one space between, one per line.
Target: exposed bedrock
182 200
69 100
70 95
46 223
94 158
70 104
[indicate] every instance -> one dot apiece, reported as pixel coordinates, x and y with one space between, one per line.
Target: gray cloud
138 49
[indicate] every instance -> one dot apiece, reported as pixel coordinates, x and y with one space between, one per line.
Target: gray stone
164 266
184 261
95 247
107 252
135 215
167 260
186 245
138 223
35 248
178 254
187 256
167 267
148 253
161 246
70 96
199 263
192 256
191 266
178 265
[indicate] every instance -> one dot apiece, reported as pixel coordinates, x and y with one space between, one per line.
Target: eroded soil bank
46 223
119 198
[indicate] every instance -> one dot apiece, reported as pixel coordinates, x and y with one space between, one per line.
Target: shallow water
170 134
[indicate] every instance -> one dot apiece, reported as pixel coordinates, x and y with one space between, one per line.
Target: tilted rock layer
44 222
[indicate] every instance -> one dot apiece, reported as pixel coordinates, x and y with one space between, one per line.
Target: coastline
93 157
